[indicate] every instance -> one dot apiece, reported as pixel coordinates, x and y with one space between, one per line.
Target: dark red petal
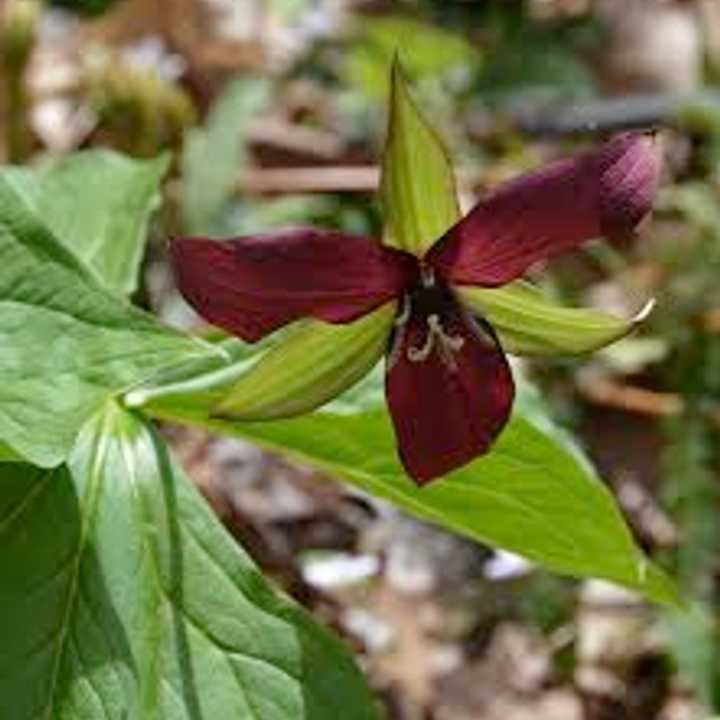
252 285
605 192
446 410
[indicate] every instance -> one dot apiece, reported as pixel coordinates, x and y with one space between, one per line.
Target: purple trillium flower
448 384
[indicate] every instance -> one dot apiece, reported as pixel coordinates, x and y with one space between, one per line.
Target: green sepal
312 364
527 323
417 186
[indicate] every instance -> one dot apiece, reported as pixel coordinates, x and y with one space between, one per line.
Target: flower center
432 303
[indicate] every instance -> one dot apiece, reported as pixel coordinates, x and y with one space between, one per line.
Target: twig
292 137
609 114
604 390
338 178
601 389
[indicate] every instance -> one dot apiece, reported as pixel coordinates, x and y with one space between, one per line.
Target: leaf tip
396 62
644 312
398 78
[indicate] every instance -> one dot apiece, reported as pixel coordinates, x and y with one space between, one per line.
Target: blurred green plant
522 55
85 7
702 122
427 52
213 156
139 111
691 459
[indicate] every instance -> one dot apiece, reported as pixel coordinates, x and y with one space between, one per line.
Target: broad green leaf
417 186
123 598
98 204
312 364
530 324
532 494
66 343
213 156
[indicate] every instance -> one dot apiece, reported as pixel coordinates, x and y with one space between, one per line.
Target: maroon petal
252 285
605 192
450 395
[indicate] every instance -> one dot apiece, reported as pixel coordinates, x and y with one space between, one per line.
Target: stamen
447 345
404 314
421 354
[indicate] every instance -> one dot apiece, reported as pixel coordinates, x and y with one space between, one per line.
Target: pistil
429 303
446 345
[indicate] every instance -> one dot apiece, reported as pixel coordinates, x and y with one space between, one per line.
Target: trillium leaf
312 364
532 494
417 186
98 204
528 323
141 605
66 343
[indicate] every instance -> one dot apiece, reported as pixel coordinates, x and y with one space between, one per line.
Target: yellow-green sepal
417 185
313 363
528 323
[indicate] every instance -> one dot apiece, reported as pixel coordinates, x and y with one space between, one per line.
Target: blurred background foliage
272 114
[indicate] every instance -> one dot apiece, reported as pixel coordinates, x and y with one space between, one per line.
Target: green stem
19 136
